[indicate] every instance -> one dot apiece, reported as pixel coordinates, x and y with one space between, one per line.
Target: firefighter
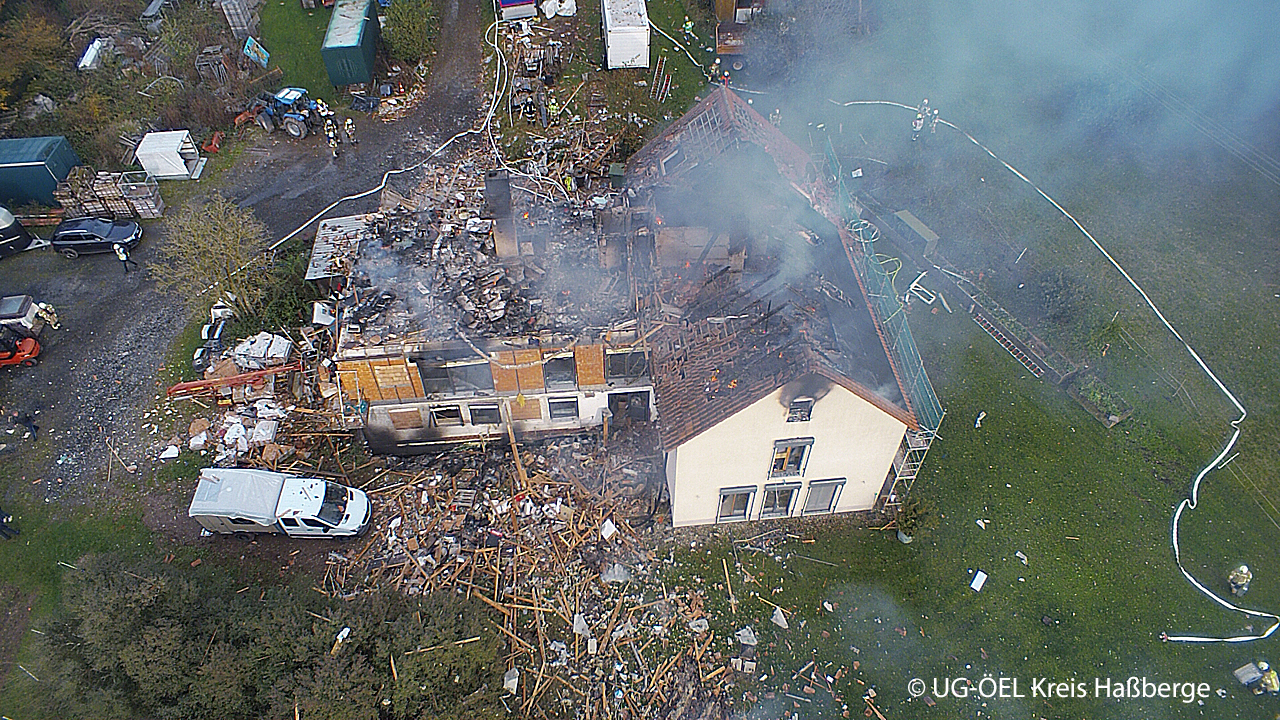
1239 580
1270 682
331 132
46 312
122 254
349 127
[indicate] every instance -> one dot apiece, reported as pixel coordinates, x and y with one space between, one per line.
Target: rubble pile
427 274
593 630
260 416
569 133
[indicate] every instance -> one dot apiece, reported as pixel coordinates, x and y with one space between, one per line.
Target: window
559 373
823 496
290 522
486 415
778 500
435 380
630 405
473 378
315 524
735 503
625 365
800 410
454 371
671 161
242 521
789 457
446 415
333 506
563 408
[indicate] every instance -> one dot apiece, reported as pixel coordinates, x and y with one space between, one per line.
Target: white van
245 500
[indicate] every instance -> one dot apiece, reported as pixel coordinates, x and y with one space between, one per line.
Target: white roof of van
238 492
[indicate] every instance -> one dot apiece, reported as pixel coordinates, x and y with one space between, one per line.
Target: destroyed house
414 397
781 389
730 295
440 341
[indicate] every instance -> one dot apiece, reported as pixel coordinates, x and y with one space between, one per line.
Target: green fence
886 305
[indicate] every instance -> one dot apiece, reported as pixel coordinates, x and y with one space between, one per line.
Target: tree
214 250
410 29
28 44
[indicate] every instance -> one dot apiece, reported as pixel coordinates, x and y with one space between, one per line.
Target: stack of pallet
106 187
143 194
109 195
73 192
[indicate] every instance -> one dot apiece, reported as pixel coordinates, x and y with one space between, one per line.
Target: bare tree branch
208 242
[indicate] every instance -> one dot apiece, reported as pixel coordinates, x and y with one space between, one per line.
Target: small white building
170 155
626 33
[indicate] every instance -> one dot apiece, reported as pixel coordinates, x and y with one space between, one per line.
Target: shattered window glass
735 503
446 415
800 410
789 457
777 500
626 365
560 374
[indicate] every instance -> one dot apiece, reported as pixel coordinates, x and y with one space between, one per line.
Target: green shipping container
351 43
31 168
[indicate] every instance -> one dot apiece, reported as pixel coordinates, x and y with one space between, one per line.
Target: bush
169 641
916 515
410 30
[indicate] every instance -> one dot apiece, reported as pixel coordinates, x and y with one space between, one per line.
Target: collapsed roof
799 307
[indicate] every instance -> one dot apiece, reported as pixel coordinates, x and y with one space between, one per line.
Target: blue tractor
290 109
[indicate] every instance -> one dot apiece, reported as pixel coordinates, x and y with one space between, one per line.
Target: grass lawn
1081 502
53 539
293 36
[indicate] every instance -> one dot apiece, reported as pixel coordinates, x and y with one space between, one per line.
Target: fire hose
1190 502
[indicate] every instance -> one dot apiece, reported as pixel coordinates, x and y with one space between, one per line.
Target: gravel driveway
98 375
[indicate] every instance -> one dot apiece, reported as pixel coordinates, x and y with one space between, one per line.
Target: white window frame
806 443
748 490
440 419
564 400
484 407
838 483
794 487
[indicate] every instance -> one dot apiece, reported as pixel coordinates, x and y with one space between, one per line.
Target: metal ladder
999 336
310 367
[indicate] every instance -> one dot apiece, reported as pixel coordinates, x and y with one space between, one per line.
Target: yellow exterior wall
853 439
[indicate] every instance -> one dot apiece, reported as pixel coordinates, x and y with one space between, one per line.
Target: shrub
410 29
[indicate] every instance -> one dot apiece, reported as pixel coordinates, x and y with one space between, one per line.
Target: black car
84 236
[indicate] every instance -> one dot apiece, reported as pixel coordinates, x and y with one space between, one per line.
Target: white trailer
170 155
626 33
232 501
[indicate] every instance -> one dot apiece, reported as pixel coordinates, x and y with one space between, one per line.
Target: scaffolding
887 309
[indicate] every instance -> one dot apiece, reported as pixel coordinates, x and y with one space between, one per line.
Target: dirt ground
97 376
287 181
